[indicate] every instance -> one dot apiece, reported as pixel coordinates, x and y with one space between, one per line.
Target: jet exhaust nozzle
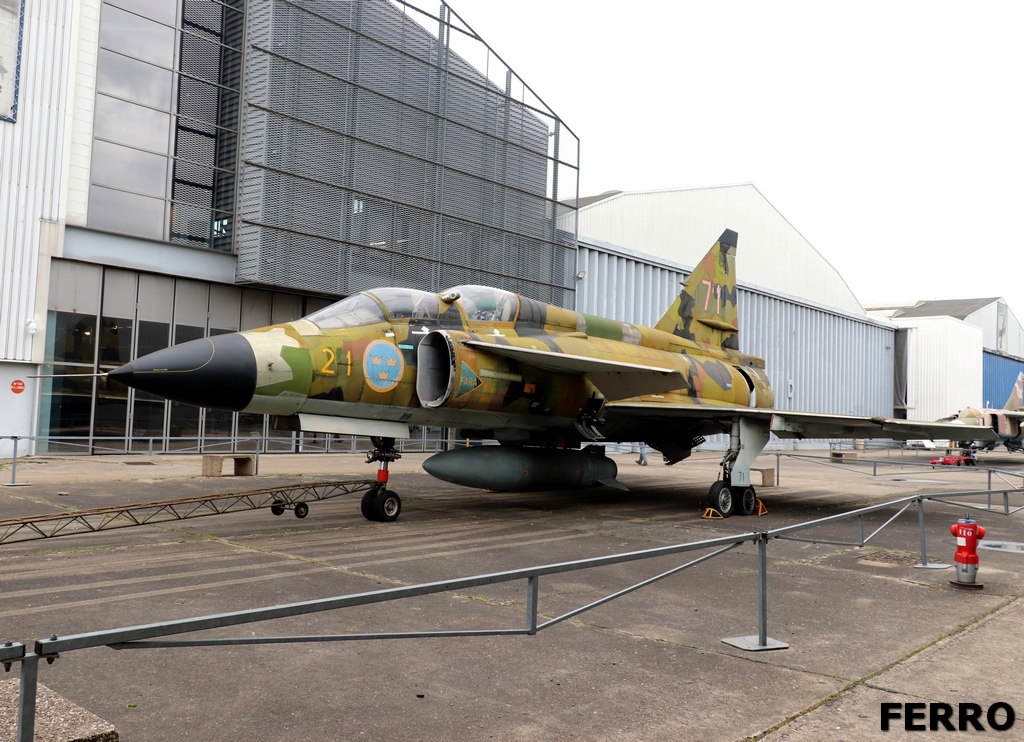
522 469
218 372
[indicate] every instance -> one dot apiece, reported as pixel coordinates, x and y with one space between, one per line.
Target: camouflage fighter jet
540 379
1007 422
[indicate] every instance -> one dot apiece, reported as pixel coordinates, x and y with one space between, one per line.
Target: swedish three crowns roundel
383 366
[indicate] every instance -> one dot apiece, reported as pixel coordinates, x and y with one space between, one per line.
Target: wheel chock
712 514
761 509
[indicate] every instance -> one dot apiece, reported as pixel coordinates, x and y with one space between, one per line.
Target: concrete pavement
864 626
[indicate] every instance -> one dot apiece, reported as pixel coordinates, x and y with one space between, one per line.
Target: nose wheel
381 505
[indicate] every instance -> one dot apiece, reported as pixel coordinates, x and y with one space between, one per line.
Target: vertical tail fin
705 310
1016 400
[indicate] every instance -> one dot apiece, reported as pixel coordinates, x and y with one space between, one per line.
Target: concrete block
213 465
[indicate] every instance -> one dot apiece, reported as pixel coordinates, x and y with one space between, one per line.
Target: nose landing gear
380 503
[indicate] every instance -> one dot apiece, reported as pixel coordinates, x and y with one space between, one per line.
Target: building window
167 109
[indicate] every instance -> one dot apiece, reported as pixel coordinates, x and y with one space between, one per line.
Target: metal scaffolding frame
77 522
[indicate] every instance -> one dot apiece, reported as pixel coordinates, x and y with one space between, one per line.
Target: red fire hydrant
968 533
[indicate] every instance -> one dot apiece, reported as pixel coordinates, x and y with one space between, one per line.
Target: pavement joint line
865 681
1006 603
309 560
78 586
908 694
38 500
793 717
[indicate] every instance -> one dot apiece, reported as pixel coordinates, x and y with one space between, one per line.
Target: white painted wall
32 154
18 410
987 318
79 159
944 366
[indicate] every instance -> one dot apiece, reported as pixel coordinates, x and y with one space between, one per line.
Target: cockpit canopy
487 304
480 304
366 308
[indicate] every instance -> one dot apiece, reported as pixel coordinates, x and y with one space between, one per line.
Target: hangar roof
958 308
679 225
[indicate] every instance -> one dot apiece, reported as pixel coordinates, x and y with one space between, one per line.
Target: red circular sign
17 386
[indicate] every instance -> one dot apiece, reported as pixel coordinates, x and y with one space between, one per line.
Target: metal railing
87 445
848 464
150 636
303 443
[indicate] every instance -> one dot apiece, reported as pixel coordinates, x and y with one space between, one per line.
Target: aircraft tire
746 501
720 498
301 510
277 508
366 506
387 506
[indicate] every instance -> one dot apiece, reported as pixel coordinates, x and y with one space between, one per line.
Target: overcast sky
888 133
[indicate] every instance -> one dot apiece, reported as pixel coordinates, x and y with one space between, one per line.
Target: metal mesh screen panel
384 144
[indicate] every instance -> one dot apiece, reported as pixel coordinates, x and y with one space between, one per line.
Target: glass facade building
327 146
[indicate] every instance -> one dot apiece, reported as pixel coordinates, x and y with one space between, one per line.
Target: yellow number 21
327 370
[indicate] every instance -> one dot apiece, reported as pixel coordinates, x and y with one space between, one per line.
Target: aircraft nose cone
217 372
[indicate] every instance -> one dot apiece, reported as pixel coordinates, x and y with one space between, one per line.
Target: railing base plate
751 643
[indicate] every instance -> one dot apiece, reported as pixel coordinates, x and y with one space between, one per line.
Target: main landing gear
728 499
380 503
733 493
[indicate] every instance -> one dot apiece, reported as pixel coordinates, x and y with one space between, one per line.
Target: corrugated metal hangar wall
1000 374
820 358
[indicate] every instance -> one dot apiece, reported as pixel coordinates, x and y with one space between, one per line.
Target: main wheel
746 501
720 498
386 506
277 508
366 505
301 510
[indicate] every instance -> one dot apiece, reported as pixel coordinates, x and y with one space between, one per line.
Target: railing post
762 641
778 464
860 530
874 468
920 521
14 466
762 590
532 596
27 698
990 485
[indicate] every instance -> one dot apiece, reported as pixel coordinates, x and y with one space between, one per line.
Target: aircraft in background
540 379
1008 423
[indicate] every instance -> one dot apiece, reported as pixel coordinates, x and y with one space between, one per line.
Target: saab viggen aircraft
540 379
